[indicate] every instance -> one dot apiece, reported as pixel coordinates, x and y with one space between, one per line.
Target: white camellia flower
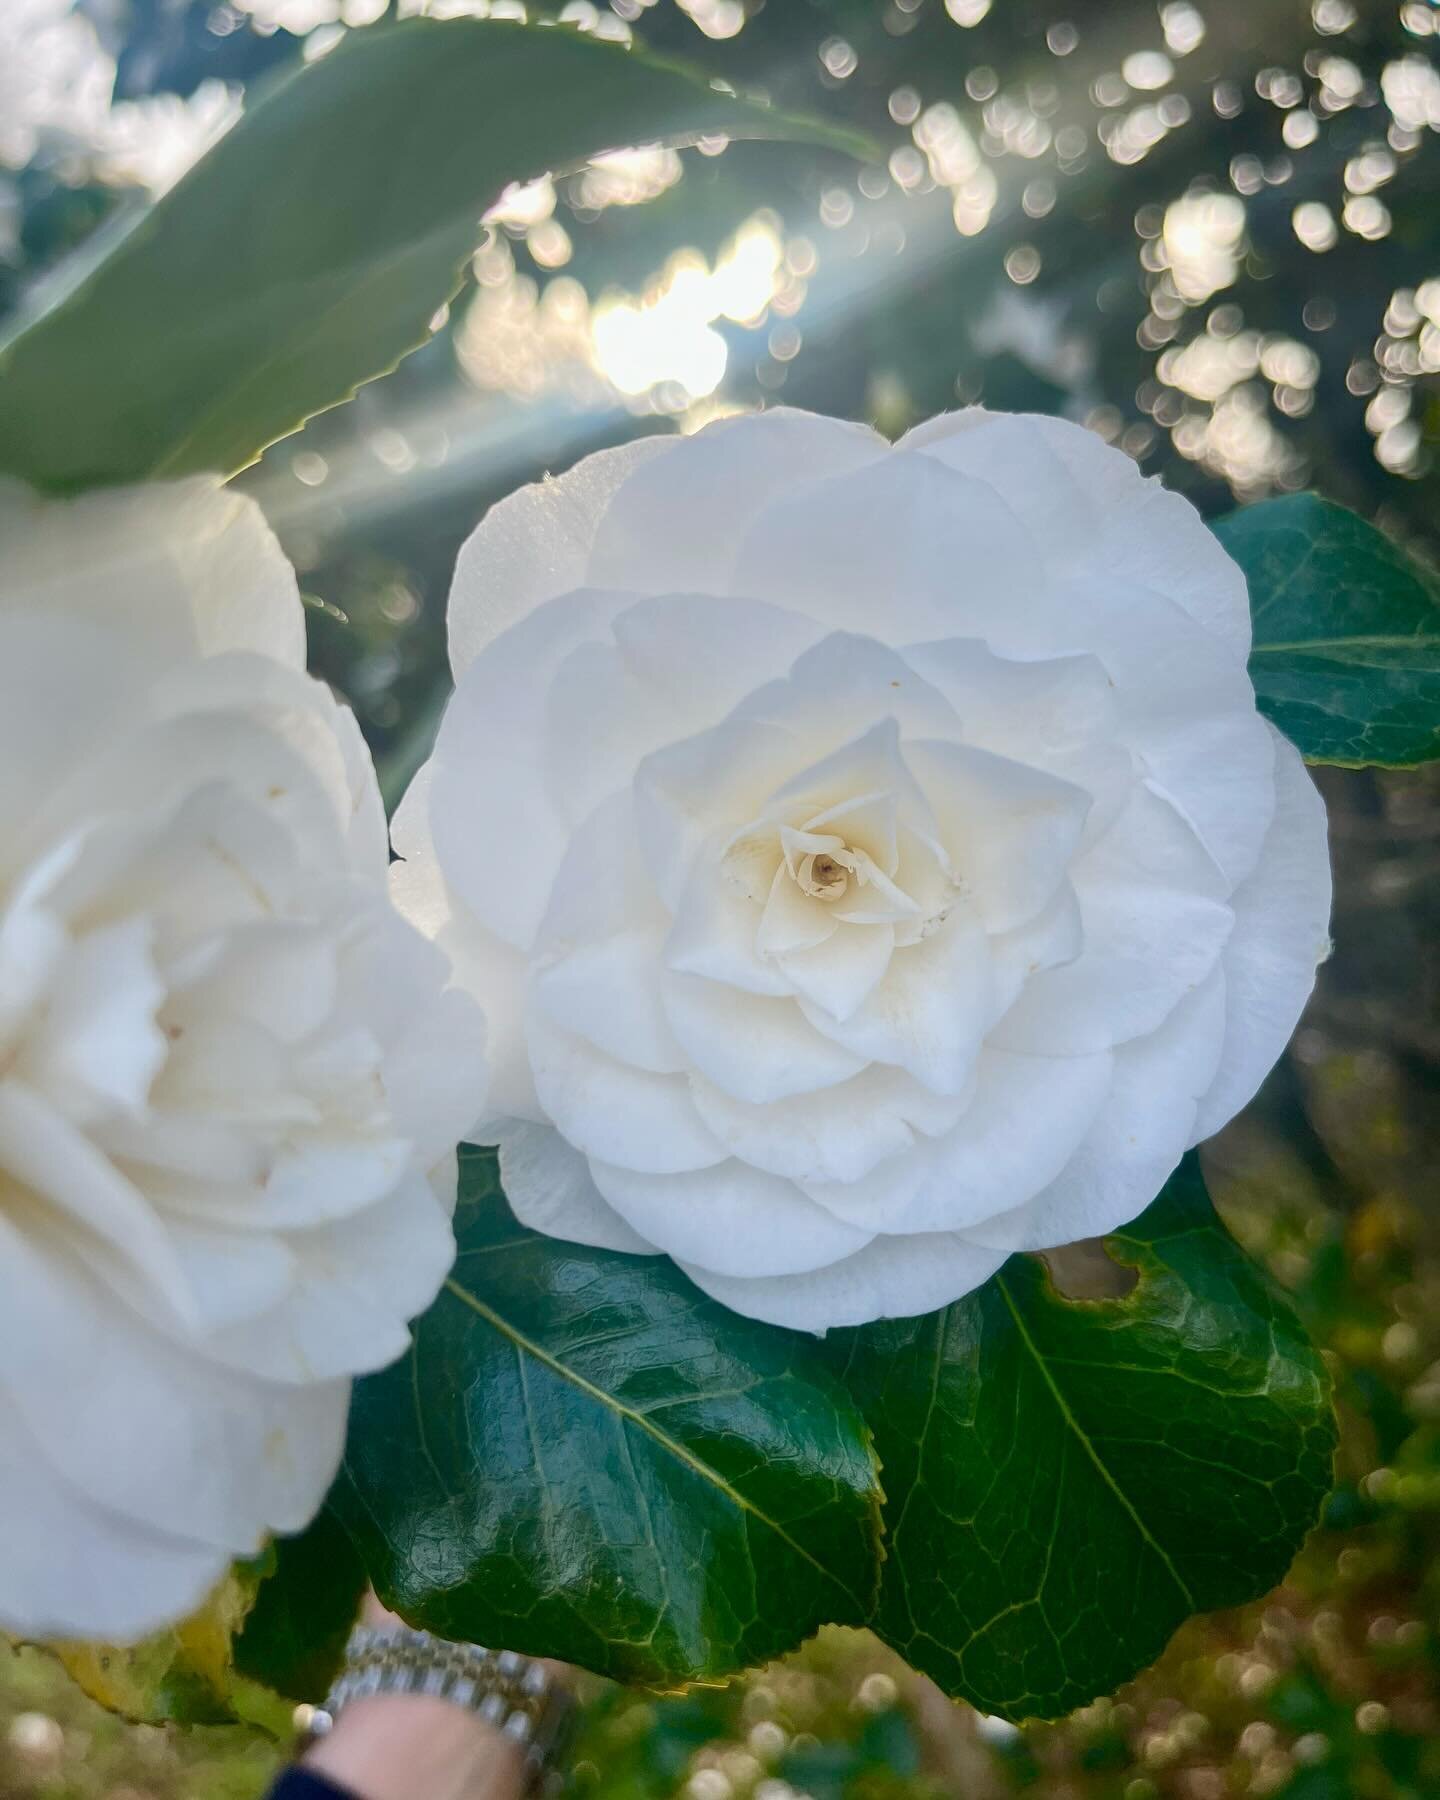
227 1067
872 858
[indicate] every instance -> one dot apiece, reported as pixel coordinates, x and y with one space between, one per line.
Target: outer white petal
357 1283
903 548
709 657
676 665
835 1135
1178 691
751 1046
1032 712
487 788
742 1221
603 886
147 1428
1155 923
305 715
891 1278
1089 503
1219 773
599 948
1019 1131
73 1570
483 965
1187 709
659 534
190 566
609 992
248 769
612 1110
1282 917
236 1276
103 674
550 1189
49 1161
1137 1139
1051 939
435 1074
844 686
534 545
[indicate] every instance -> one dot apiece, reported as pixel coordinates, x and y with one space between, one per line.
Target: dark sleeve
296 1783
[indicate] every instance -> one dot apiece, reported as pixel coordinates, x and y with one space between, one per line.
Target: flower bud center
822 877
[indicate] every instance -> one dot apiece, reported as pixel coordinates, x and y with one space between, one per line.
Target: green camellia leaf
310 250
1067 1481
1346 657
584 1457
293 1638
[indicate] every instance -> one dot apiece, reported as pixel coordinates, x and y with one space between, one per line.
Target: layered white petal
144 1425
843 686
1011 831
495 721
1154 922
741 1220
836 1135
993 1158
1281 936
534 545
929 1012
703 789
115 1578
657 532
754 1047
668 667
550 1188
1092 508
188 568
1137 1138
903 548
613 1110
715 933
891 1278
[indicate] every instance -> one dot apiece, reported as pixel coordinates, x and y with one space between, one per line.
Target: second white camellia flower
872 858
231 1081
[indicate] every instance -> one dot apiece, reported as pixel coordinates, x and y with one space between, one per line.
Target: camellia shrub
844 870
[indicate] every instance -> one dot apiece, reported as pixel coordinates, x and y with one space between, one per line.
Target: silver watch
513 1693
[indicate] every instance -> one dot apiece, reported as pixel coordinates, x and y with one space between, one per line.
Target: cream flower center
825 875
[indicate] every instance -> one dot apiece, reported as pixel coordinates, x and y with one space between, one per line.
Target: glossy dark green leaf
1067 1481
584 1457
293 1638
310 250
1346 657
